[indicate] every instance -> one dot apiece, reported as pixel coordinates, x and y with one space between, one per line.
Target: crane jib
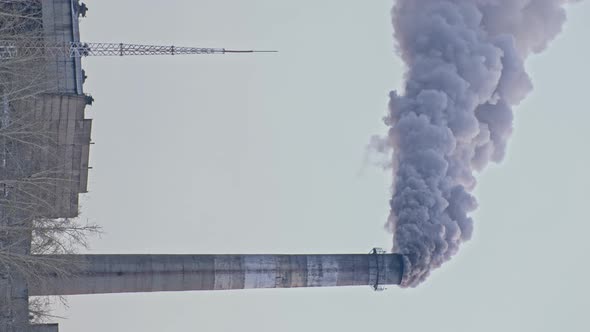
40 48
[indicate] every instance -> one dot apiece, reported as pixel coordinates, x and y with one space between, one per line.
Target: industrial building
53 163
54 113
45 161
63 107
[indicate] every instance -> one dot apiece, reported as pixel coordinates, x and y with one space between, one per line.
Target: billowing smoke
465 62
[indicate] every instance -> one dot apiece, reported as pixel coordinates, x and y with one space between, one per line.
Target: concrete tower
160 273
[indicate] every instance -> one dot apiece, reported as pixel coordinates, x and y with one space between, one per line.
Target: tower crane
41 48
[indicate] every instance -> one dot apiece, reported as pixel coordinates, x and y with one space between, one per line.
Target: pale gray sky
261 154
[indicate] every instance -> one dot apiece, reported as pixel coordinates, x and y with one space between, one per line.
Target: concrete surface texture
156 273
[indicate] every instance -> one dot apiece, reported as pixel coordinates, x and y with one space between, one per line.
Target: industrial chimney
161 273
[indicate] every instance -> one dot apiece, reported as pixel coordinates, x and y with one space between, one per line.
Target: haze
261 154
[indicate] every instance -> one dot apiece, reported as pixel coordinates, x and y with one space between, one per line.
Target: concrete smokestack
100 274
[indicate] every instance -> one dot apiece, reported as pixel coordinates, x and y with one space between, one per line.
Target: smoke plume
465 61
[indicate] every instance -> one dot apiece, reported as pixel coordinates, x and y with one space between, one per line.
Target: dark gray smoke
465 62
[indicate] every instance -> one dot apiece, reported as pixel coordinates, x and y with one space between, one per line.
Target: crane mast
40 48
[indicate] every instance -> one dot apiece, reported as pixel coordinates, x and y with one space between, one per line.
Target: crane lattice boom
11 49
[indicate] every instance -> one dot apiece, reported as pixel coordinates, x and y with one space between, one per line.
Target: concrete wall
14 302
14 297
66 141
155 273
44 328
64 115
60 25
